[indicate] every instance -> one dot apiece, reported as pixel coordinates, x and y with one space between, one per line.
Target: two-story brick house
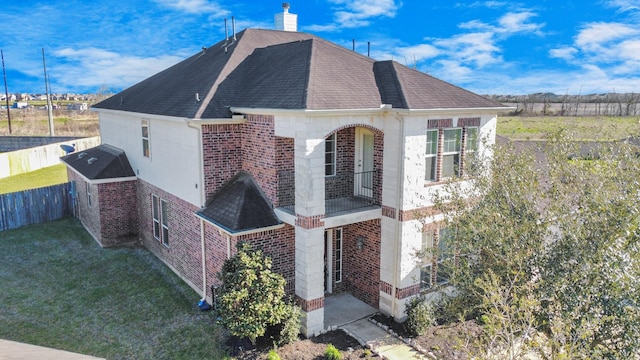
320 156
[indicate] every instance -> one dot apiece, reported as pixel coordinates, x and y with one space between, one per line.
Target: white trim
100 181
385 108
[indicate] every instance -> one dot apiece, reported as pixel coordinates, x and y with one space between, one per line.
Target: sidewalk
381 342
11 350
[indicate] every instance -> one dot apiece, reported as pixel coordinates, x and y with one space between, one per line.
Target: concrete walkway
11 350
380 341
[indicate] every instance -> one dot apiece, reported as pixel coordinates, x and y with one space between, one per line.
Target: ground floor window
337 233
160 210
435 256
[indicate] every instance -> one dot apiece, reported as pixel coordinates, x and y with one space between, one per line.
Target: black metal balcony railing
345 191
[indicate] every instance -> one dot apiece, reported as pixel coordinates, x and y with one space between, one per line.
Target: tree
251 297
548 239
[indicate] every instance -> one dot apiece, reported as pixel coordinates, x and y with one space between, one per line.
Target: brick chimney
285 20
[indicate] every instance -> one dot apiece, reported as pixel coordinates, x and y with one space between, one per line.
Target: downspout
198 128
204 262
399 201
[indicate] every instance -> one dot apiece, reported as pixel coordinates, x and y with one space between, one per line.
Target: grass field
51 175
61 290
581 128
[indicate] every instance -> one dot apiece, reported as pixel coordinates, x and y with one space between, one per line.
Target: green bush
273 355
290 327
420 315
332 353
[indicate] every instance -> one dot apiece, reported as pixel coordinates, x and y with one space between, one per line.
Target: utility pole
6 91
48 89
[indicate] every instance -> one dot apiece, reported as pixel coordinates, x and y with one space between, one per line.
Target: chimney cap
286 6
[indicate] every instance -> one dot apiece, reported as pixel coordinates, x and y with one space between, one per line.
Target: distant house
20 105
322 157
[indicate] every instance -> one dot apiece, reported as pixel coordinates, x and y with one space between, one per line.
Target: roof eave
384 108
230 232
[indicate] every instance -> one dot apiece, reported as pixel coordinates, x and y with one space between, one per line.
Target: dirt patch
441 340
303 349
451 341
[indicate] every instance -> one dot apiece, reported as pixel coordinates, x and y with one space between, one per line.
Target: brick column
309 232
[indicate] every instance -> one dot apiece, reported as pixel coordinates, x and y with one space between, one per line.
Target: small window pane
452 139
432 142
425 277
430 164
450 165
330 155
472 139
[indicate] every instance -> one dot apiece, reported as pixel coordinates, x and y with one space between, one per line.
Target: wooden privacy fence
35 206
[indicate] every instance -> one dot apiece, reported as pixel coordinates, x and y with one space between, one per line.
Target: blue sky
489 47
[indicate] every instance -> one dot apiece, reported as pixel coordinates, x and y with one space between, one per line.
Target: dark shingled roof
240 205
99 163
286 70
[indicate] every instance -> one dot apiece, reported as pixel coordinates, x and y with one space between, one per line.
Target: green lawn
581 127
60 289
48 176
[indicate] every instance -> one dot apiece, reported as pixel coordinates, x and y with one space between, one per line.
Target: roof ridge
214 87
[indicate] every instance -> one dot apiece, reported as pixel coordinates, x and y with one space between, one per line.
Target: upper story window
330 155
145 138
447 147
432 155
451 153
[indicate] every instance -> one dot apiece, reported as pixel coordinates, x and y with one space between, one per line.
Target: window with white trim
164 205
337 233
89 200
451 153
427 260
330 155
471 139
146 152
439 262
160 212
155 204
431 161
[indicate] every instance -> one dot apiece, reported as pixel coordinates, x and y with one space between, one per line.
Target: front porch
343 309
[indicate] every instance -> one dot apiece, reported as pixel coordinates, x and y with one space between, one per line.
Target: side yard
61 290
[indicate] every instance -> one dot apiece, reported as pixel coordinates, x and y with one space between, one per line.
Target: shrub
251 298
290 327
273 355
332 353
420 315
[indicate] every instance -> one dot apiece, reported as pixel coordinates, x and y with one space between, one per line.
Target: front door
363 179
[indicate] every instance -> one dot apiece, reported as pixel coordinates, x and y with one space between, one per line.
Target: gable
240 206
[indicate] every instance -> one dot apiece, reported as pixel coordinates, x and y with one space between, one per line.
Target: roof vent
81 155
285 20
92 160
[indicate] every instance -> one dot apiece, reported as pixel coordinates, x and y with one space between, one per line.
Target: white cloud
516 22
594 35
93 67
566 53
473 48
357 13
625 5
508 24
195 6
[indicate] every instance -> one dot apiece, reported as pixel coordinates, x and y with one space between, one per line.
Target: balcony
345 192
